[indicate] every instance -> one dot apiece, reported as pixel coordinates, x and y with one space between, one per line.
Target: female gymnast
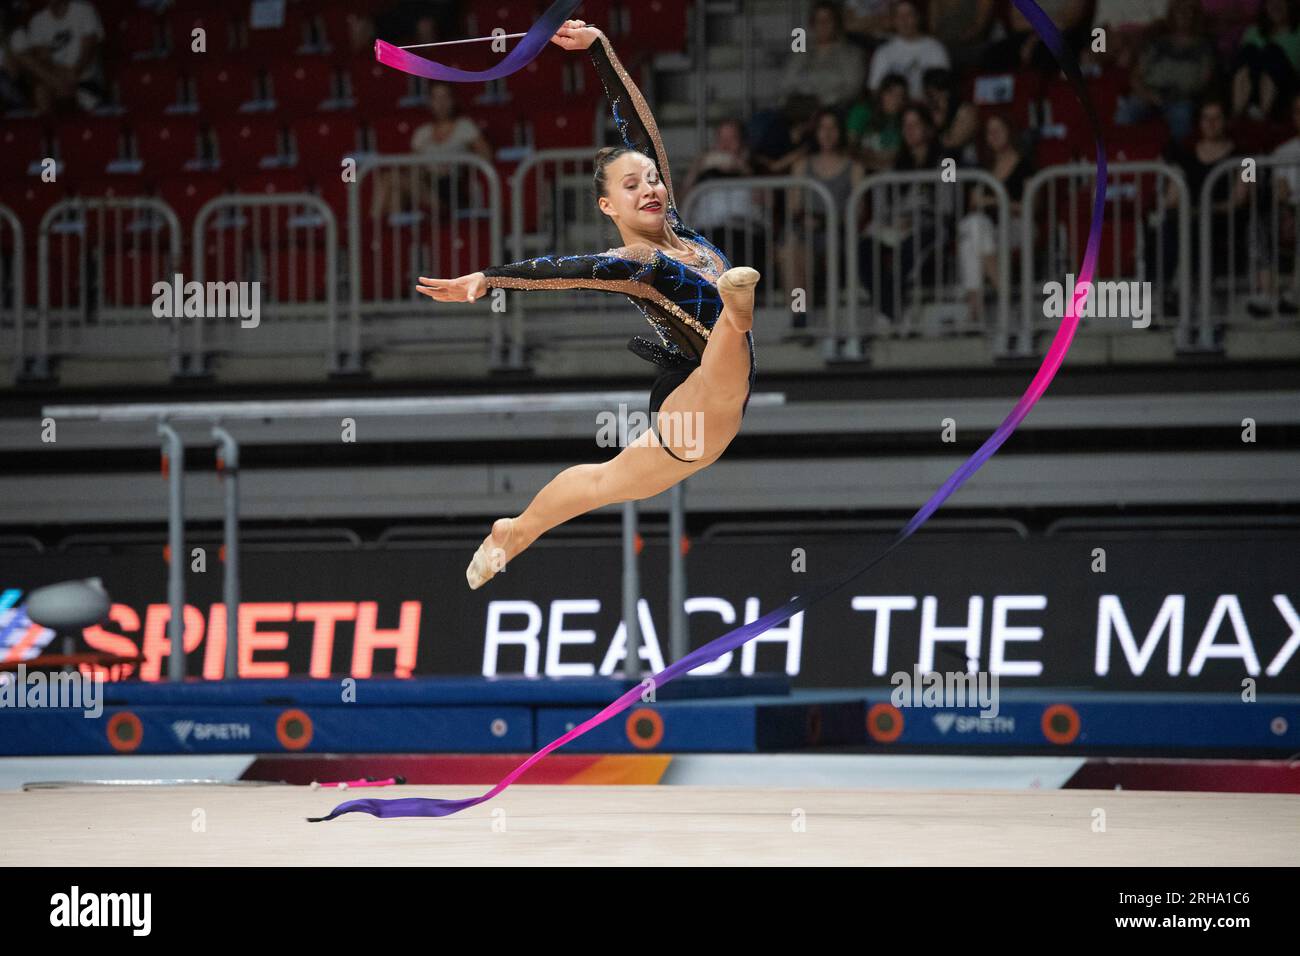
701 308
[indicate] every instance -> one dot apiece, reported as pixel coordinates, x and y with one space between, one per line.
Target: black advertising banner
1189 614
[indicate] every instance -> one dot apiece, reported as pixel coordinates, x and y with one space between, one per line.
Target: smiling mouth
651 207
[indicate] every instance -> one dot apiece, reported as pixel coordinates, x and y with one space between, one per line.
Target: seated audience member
905 229
447 132
1126 22
957 123
1229 209
1265 68
977 236
963 27
825 76
867 22
58 53
873 126
1021 48
1174 70
831 165
908 53
731 217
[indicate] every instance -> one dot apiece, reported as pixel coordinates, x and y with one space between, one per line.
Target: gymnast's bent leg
715 391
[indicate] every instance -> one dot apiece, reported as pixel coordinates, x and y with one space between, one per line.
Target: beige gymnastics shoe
491 554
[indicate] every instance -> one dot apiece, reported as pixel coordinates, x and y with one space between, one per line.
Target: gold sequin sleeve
627 270
636 124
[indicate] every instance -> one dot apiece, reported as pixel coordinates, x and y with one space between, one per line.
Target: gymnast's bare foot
492 554
736 288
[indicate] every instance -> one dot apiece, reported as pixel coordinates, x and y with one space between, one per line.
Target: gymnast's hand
465 289
575 35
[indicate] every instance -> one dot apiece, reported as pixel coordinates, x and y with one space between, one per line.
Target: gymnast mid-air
701 308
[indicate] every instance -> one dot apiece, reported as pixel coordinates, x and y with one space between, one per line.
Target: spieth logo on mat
185 729
21 639
965 724
103 909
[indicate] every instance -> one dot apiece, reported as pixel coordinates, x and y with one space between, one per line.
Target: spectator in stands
976 246
957 123
1021 48
1211 146
731 218
446 132
909 52
963 27
868 22
1126 22
826 76
831 165
1286 180
873 125
908 230
12 95
1174 71
1265 68
58 52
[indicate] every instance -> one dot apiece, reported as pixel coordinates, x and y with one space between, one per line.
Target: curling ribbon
531 44
426 807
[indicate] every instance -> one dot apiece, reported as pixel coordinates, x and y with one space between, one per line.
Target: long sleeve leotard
680 301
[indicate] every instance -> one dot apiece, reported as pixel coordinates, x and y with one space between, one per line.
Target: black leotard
680 302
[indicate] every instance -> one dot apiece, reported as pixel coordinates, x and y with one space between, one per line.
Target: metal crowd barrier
1230 215
918 230
219 418
412 216
99 286
12 286
287 243
1146 239
753 220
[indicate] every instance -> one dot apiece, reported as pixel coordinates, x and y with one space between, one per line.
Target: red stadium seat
300 84
393 132
484 16
655 25
89 145
295 275
29 200
244 142
270 182
166 145
186 195
500 125
218 31
225 85
564 128
1144 141
276 42
137 34
376 88
22 142
323 140
147 86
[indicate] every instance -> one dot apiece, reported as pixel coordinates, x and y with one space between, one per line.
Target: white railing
412 216
1148 208
1229 217
288 244
928 228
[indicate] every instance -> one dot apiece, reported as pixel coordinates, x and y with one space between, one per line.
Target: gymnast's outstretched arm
627 270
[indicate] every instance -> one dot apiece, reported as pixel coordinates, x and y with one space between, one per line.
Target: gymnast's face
635 196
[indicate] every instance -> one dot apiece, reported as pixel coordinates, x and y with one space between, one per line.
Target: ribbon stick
423 807
538 35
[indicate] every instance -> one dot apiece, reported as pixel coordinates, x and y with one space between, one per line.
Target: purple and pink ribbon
1056 352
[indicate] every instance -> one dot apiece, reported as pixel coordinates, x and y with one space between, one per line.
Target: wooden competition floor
254 825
